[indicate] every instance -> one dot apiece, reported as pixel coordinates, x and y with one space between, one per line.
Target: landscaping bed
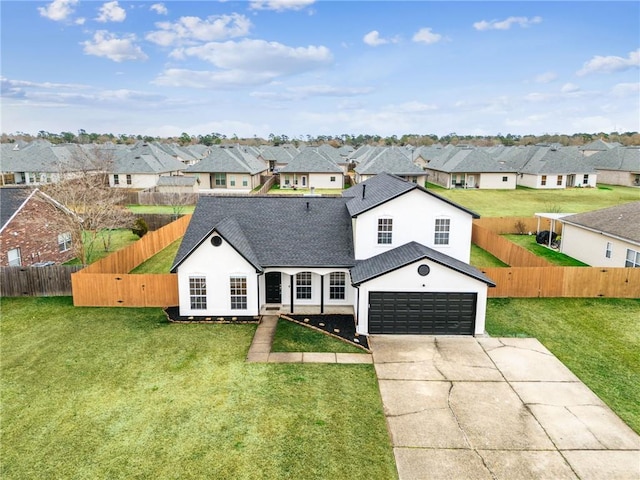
340 326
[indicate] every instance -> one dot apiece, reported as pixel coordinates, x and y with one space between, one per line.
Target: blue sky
299 67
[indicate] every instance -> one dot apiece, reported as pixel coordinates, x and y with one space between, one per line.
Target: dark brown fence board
51 281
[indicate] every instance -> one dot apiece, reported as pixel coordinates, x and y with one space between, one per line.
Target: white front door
471 181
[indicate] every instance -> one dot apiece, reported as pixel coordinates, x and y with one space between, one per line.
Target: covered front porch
306 291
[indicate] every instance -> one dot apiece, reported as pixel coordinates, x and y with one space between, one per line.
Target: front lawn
121 393
291 337
524 202
598 339
552 256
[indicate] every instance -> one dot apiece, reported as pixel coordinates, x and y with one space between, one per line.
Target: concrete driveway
492 408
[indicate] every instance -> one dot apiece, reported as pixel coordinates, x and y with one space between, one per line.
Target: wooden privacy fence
505 250
501 225
108 283
583 282
51 281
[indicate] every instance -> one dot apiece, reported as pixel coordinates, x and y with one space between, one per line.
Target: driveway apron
495 408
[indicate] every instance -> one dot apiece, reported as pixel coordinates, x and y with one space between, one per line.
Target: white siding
495 181
406 279
138 180
217 264
413 215
590 247
323 180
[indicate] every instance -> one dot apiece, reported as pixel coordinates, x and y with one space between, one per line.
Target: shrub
140 227
520 227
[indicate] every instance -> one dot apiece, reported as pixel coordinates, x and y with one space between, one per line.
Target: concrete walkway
489 408
260 349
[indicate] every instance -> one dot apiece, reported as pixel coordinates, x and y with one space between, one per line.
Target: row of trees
215 138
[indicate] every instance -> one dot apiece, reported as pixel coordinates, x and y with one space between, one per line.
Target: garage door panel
432 313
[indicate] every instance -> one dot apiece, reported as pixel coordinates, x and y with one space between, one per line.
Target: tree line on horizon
214 138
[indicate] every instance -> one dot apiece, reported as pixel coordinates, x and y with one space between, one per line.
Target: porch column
291 292
321 294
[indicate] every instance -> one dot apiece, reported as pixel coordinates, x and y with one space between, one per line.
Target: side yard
122 393
598 339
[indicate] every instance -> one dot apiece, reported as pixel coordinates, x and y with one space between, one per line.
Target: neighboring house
228 169
180 153
550 167
471 168
391 160
311 169
597 146
277 157
389 251
141 166
40 162
26 238
617 166
609 237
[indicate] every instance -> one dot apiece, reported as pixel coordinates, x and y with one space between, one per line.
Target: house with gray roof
550 167
140 166
362 254
311 169
471 167
596 146
41 162
393 160
277 157
617 166
228 168
608 237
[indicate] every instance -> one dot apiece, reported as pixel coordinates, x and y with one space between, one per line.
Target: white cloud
546 77
507 23
625 89
189 30
111 12
373 39
271 59
58 10
415 107
159 8
610 64
280 5
106 44
300 93
177 77
425 35
570 88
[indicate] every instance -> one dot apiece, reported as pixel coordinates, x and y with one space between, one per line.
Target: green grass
121 393
552 256
162 209
161 262
524 202
120 239
598 339
482 258
291 337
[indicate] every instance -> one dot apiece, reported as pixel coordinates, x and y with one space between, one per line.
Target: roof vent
364 188
307 205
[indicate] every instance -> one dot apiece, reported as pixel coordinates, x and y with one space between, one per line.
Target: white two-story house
390 252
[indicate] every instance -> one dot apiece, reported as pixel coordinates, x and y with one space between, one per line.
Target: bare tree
91 207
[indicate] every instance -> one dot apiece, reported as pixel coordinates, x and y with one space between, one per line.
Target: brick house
26 238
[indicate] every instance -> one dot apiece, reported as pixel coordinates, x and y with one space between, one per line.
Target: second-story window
443 225
385 231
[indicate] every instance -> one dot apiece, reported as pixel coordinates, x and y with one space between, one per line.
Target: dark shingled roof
275 231
11 199
382 188
622 221
406 254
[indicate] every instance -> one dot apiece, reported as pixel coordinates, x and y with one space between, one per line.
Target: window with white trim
116 179
633 259
221 179
238 293
505 179
64 242
585 179
543 180
232 180
198 293
303 286
245 181
442 228
128 179
608 250
559 181
385 231
337 285
13 255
